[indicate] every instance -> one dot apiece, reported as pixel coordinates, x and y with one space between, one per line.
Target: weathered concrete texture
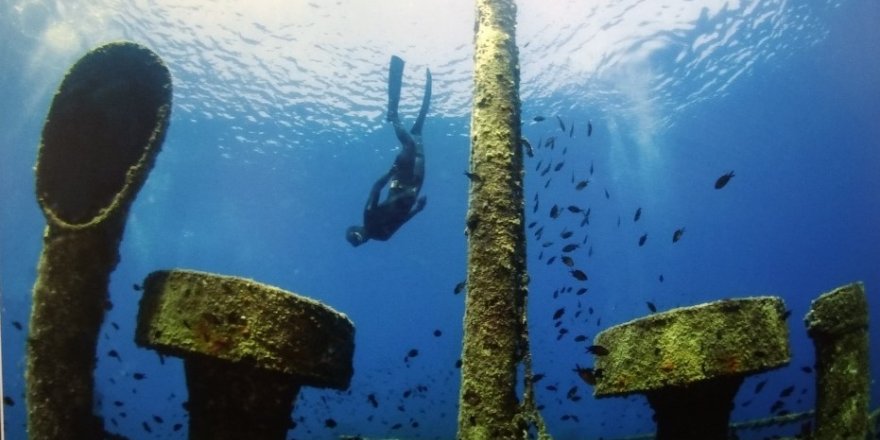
494 316
247 348
102 134
238 320
838 324
686 345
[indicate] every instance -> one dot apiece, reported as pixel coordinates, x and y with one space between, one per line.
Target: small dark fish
438 333
537 377
570 247
8 401
137 287
585 221
554 211
525 143
723 180
412 353
330 423
574 209
786 314
579 275
372 399
590 252
643 239
139 376
591 167
760 386
807 369
532 225
146 427
572 392
581 291
546 169
777 405
550 142
17 325
651 307
459 287
546 184
474 177
558 314
551 388
561 124
568 261
607 196
677 235
158 419
571 130
582 184
580 338
115 325
589 128
566 234
638 215
787 391
588 375
538 118
538 166
546 244
114 354
551 260
598 350
177 427
661 277
559 166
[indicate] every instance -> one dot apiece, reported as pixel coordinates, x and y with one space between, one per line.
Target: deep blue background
800 130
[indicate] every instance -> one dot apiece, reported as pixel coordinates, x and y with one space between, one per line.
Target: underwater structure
494 322
247 347
838 324
690 361
104 129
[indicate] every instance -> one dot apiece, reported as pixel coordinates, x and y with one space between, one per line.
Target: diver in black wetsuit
406 175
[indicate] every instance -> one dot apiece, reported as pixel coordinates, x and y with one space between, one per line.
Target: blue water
277 134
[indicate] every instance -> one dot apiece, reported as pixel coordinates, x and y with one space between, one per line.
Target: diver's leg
395 79
426 101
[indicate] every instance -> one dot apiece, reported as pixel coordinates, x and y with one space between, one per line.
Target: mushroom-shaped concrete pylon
690 361
247 348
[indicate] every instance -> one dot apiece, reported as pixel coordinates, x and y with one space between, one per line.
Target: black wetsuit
404 179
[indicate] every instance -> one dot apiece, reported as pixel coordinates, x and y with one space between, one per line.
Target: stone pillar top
731 337
187 313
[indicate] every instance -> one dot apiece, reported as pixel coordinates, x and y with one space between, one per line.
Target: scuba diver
404 179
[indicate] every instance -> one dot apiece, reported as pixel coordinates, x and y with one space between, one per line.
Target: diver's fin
395 78
426 102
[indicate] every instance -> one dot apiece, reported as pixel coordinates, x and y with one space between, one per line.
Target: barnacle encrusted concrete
690 361
838 324
248 348
496 280
104 129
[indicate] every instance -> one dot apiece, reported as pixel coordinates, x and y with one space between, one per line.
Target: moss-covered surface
104 129
494 316
838 324
188 313
690 344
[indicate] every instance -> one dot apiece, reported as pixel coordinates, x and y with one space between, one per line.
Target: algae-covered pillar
247 348
689 362
496 279
838 324
103 131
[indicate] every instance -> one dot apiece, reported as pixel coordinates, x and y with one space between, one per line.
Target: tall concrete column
494 315
101 137
838 324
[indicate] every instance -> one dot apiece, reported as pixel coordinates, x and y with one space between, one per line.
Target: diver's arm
420 205
373 200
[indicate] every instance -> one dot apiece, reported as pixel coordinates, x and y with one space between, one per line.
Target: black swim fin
395 78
